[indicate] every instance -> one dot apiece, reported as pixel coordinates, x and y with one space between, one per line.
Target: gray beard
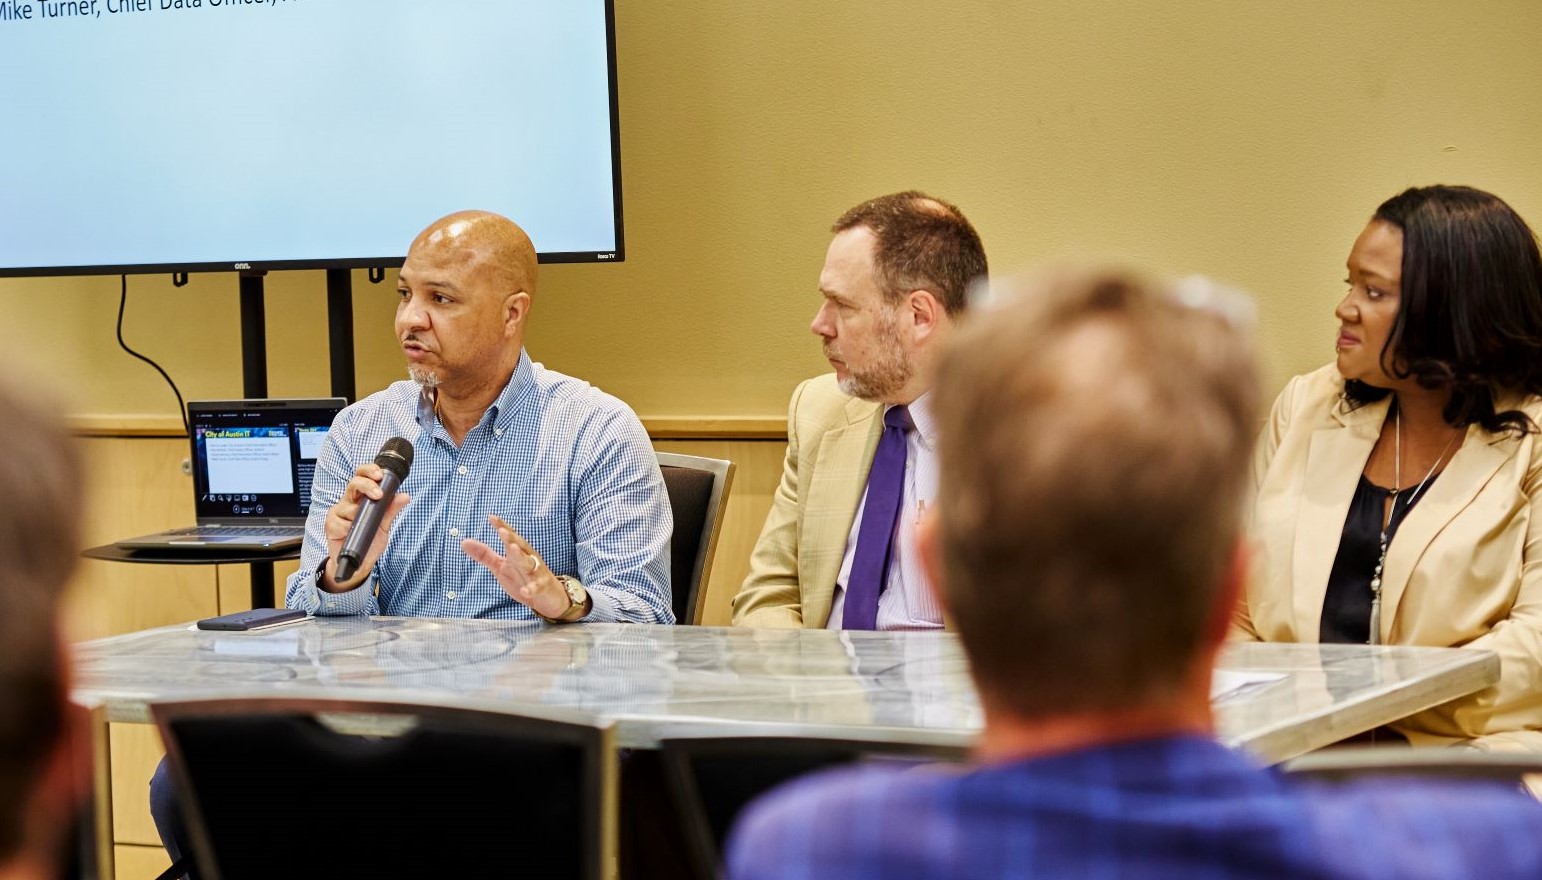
889 372
428 379
874 385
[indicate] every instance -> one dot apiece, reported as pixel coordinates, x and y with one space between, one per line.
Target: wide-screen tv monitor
201 135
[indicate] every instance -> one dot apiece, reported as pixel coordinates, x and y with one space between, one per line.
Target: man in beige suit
894 282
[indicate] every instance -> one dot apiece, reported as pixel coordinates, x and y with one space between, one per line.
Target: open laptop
252 466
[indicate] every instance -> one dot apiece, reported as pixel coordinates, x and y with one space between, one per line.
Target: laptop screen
254 459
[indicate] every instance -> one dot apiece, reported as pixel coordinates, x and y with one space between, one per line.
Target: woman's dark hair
1470 318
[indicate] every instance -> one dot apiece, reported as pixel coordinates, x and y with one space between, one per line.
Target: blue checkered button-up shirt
1179 807
568 466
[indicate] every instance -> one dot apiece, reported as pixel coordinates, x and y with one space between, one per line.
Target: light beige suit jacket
831 439
1464 570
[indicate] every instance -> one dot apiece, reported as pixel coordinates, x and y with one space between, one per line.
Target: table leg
262 585
100 817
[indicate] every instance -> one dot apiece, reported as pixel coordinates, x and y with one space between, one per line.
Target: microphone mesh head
395 456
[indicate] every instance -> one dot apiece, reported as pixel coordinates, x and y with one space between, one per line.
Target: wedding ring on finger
535 564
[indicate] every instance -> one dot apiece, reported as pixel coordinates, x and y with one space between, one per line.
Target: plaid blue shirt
1164 808
568 466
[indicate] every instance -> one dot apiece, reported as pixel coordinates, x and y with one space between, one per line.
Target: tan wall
1248 140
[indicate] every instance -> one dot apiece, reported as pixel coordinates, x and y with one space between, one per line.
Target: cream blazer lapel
1335 458
1470 469
830 507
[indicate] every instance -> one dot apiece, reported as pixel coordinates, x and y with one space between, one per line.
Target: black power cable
122 306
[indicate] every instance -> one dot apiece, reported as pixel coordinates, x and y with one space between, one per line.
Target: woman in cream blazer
1434 394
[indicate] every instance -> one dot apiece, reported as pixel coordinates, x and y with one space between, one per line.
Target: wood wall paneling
140 862
139 486
136 749
136 486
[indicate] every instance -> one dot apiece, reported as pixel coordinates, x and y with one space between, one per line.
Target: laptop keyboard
233 531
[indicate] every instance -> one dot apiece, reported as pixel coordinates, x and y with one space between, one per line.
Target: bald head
490 244
465 289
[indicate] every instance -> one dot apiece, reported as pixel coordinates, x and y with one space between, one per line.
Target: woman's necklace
1386 523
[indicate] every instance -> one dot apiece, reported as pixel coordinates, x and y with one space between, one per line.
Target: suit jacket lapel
839 478
1470 469
1335 458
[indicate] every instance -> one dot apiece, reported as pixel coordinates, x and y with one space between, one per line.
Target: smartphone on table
255 619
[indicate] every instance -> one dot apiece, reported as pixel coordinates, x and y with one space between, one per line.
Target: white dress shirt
907 601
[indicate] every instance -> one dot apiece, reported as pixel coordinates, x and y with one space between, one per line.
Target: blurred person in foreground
1088 544
1399 489
41 782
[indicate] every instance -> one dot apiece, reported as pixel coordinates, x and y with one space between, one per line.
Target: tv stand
254 381
254 334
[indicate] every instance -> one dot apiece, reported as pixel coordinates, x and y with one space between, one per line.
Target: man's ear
516 307
928 547
925 311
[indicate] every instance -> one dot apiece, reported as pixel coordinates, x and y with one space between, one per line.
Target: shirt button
497 432
461 470
454 532
450 595
331 604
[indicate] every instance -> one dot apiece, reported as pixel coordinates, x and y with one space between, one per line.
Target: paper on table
274 642
1225 683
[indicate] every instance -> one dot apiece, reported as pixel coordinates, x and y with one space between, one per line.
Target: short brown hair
40 471
922 243
1094 440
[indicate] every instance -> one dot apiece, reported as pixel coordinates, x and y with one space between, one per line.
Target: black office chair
698 495
373 789
712 779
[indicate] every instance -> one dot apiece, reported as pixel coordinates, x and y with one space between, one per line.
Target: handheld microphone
395 459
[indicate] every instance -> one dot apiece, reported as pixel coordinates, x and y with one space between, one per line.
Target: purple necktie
875 537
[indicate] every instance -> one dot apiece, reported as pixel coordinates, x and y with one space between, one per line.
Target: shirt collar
921 416
521 384
503 408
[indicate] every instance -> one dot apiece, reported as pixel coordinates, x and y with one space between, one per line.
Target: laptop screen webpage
254 459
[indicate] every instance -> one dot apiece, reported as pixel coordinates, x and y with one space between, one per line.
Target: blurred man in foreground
1095 440
40 783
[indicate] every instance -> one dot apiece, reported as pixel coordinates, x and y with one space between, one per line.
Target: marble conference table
655 682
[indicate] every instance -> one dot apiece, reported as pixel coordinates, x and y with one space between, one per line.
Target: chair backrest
390 789
712 779
1361 761
698 495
